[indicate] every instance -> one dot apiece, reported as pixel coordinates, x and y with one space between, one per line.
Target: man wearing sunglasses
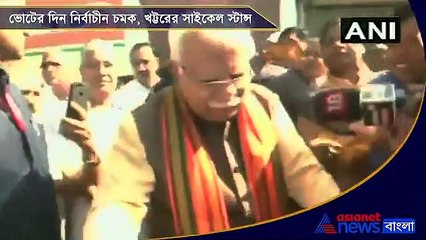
145 63
211 152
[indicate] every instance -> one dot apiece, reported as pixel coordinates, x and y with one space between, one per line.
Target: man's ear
177 69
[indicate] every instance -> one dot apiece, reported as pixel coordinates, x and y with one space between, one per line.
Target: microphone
378 104
374 104
336 105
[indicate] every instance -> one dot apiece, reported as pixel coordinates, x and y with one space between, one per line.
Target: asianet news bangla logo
365 224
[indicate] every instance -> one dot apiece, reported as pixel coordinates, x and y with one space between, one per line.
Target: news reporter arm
307 181
125 182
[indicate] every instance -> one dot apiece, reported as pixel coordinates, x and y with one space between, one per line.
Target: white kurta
130 96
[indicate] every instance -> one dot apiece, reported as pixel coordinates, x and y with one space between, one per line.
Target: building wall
71 42
311 14
318 12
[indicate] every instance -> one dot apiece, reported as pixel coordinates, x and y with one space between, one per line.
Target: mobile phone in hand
80 95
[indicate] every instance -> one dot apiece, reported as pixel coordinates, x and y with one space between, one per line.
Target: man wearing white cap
270 69
280 49
54 98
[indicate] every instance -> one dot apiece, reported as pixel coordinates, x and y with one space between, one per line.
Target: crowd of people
219 137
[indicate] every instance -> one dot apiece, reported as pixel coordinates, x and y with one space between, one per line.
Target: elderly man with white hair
209 153
93 134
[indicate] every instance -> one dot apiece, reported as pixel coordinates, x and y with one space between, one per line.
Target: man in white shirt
53 104
145 64
56 92
101 120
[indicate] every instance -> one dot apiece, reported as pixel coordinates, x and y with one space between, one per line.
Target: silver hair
97 45
240 39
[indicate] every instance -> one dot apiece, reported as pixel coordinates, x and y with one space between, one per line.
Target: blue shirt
28 207
389 78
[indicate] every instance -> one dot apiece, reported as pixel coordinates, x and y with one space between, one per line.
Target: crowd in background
292 65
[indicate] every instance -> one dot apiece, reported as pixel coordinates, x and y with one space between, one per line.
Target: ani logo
325 226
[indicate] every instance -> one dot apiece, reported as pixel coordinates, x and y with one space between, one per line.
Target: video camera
374 104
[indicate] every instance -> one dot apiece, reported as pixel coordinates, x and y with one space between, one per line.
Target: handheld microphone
378 104
336 105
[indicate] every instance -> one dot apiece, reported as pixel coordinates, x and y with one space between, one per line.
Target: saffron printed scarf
196 200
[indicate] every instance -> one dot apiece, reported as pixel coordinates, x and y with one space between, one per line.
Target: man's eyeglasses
214 86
